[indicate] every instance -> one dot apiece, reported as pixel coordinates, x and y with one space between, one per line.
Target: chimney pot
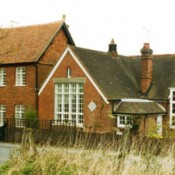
146 49
113 48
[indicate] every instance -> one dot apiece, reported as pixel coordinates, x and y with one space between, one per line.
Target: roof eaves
18 63
153 113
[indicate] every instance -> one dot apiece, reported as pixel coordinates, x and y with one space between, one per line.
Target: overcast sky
93 23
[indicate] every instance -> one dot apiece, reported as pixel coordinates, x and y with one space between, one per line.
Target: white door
159 124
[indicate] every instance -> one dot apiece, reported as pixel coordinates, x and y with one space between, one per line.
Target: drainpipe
36 87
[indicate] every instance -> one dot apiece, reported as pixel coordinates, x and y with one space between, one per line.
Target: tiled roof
163 76
139 108
114 76
26 44
119 77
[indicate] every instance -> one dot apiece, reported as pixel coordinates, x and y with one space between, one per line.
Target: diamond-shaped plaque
92 106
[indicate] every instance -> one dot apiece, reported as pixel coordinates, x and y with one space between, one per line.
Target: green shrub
31 119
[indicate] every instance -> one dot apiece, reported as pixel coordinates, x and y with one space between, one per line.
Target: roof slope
26 44
163 76
116 77
139 108
119 77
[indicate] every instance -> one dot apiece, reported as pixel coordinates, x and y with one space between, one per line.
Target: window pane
19 115
128 120
173 95
73 100
66 88
69 101
173 108
74 118
2 114
20 75
2 77
59 88
73 88
173 120
80 119
122 119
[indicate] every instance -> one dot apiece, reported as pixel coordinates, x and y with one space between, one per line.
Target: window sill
20 85
172 127
124 126
56 123
2 85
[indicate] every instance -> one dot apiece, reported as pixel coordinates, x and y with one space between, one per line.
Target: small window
124 120
68 72
172 108
20 76
2 76
19 115
2 114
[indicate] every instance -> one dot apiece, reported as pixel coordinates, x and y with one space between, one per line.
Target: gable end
68 50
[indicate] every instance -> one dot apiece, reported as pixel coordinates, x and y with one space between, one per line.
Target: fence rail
39 124
11 129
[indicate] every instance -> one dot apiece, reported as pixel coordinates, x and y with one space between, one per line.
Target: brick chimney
146 68
113 48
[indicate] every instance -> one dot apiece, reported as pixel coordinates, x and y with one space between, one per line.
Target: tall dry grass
136 156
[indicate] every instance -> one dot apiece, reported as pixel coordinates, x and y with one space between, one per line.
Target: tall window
69 102
68 72
20 76
124 121
2 114
172 108
2 76
19 115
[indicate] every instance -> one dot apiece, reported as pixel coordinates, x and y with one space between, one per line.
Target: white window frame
172 103
159 124
69 102
2 77
2 114
20 76
69 72
123 124
19 115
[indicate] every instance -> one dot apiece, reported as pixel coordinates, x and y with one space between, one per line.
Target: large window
69 102
20 76
19 115
172 108
2 76
124 121
2 114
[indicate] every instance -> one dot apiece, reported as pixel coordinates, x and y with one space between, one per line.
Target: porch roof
140 108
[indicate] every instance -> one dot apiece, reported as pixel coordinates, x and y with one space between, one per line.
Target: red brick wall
12 95
98 120
51 55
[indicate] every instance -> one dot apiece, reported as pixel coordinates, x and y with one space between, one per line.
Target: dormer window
172 108
68 72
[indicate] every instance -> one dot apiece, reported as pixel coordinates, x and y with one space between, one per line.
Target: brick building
27 54
42 69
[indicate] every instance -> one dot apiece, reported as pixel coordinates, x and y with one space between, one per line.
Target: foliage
31 118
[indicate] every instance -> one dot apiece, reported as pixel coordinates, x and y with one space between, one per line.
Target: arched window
68 72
